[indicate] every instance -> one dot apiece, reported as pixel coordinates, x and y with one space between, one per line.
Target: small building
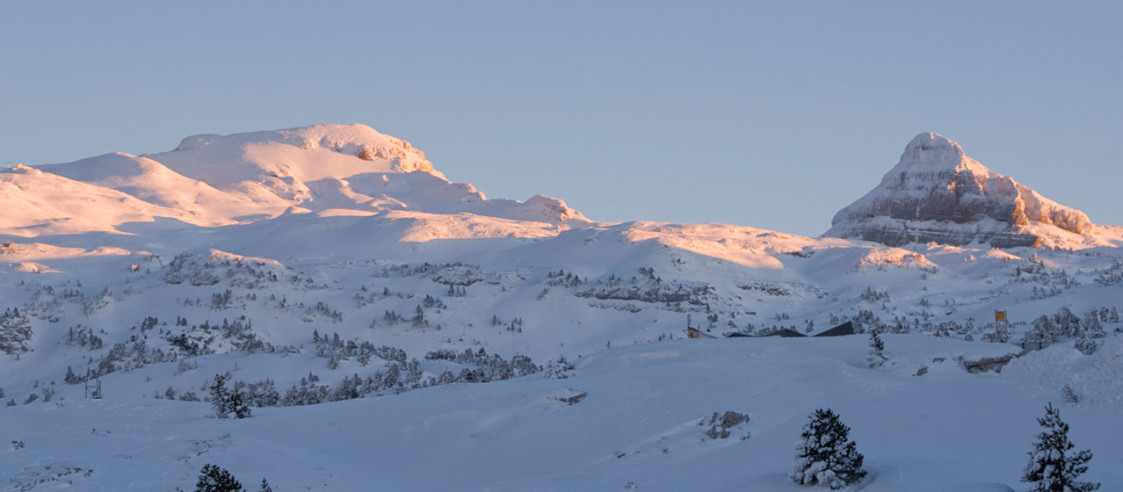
692 332
785 333
846 328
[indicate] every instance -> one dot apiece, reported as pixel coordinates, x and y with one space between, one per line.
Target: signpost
1001 326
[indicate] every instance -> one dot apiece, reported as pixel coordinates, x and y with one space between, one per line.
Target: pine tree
265 486
213 478
1085 345
220 397
238 405
824 456
70 377
876 356
1091 325
1052 467
226 401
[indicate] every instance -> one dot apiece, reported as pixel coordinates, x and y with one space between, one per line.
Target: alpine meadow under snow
322 308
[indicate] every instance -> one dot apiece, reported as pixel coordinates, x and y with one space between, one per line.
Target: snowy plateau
390 330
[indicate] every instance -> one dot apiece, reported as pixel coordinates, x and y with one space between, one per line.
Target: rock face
936 193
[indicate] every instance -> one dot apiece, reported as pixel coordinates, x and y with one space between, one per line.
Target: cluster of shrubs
646 287
721 424
198 270
198 339
485 368
15 332
336 350
400 375
1064 324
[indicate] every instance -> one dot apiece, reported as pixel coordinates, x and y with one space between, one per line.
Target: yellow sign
1000 315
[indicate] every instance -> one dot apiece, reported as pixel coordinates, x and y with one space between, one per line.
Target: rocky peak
936 193
933 150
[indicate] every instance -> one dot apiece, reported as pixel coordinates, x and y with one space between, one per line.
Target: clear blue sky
765 114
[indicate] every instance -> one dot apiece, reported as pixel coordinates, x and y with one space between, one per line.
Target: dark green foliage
70 377
227 402
721 423
1052 466
876 356
824 455
15 332
213 478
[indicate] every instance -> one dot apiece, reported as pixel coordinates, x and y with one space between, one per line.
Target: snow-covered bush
1091 325
15 332
720 424
1085 344
1052 466
559 369
824 455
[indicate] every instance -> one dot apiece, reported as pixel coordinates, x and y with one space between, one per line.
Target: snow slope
38 203
637 428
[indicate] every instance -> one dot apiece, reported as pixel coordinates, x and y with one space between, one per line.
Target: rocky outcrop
936 193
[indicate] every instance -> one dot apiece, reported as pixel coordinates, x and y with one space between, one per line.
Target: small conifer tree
1052 467
70 377
214 478
876 356
226 401
1085 344
824 455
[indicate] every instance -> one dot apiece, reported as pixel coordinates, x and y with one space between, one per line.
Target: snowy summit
211 180
936 193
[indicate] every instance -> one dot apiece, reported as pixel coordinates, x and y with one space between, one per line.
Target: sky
765 114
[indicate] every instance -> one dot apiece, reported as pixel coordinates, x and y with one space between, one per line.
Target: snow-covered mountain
211 180
936 193
331 263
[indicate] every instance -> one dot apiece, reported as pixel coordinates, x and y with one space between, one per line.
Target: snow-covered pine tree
220 396
227 401
1091 325
15 332
238 405
824 455
70 377
265 486
1052 467
214 478
1085 344
876 356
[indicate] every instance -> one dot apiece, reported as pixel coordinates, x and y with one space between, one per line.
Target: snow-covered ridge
213 180
936 193
271 150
